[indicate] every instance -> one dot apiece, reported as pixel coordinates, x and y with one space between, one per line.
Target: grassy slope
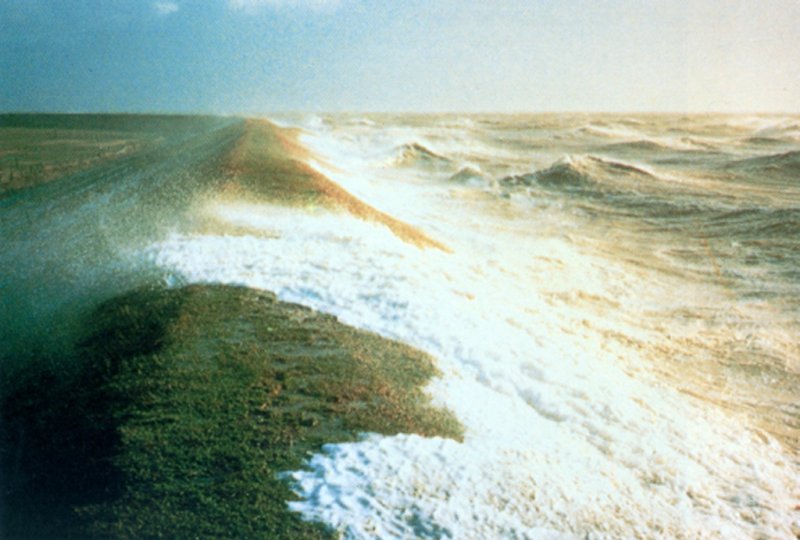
191 401
40 148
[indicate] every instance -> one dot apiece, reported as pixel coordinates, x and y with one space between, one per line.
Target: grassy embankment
268 163
37 149
188 402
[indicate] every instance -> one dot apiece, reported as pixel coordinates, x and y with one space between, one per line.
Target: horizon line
251 114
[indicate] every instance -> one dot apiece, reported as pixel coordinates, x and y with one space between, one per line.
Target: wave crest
582 172
787 163
417 155
471 176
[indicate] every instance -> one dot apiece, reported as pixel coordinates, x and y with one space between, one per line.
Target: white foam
559 438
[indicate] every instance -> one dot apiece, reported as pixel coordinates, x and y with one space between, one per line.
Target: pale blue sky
253 56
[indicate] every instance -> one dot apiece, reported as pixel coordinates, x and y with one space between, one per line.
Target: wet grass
189 404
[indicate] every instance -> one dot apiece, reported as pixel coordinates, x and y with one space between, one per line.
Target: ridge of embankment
269 162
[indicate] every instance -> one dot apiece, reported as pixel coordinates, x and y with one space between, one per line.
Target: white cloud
166 8
253 5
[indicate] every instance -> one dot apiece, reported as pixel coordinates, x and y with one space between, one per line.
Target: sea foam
558 436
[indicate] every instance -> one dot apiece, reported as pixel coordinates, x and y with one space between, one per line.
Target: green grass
190 403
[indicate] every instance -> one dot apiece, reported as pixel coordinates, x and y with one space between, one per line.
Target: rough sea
616 319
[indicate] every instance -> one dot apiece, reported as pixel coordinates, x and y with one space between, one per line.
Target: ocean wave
756 222
758 124
617 188
699 144
633 184
761 140
449 122
641 145
785 128
607 131
415 154
785 164
360 121
583 172
684 144
471 176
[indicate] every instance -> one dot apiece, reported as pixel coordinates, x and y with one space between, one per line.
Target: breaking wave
471 176
590 175
416 155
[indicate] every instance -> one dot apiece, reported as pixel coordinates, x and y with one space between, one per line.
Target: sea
615 316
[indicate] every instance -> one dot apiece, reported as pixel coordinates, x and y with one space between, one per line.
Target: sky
261 56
